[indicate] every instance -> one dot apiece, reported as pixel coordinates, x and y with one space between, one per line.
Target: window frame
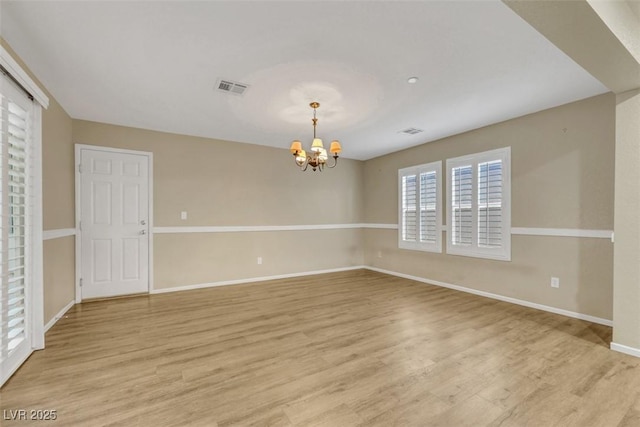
502 253
417 171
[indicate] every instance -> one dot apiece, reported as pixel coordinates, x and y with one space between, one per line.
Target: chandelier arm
306 165
335 162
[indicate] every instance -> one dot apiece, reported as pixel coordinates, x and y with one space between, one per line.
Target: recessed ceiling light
412 80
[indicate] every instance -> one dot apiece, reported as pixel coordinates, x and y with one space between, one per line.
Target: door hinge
80 282
80 167
80 225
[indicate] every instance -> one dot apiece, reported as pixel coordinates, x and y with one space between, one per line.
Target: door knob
143 231
143 222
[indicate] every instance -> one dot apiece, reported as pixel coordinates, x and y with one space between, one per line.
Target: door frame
78 199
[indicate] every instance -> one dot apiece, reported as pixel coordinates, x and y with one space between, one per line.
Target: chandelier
317 158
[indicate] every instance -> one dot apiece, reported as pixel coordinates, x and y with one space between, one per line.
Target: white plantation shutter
409 199
478 193
420 208
429 221
14 202
18 119
490 204
461 206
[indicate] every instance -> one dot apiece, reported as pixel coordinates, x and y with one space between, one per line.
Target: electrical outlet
259 260
555 282
183 215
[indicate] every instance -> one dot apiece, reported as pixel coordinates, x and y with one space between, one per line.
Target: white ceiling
154 65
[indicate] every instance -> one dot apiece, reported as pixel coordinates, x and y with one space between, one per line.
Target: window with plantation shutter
420 209
478 194
19 122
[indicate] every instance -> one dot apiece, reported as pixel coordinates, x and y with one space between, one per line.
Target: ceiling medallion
317 158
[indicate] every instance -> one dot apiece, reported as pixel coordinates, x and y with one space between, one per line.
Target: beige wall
611 54
626 320
221 183
59 275
58 179
562 177
58 204
201 258
57 208
226 183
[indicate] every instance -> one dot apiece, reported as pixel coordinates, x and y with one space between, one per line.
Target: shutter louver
409 198
490 204
13 185
428 200
461 205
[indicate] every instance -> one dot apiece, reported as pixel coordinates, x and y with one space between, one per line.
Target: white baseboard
58 316
550 309
253 279
625 349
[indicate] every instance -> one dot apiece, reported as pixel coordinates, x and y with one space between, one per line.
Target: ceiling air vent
229 86
411 131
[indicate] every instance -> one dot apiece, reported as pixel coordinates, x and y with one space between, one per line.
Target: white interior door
114 226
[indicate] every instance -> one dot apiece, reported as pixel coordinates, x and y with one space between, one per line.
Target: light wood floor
343 349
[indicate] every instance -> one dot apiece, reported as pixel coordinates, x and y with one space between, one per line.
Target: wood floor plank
355 348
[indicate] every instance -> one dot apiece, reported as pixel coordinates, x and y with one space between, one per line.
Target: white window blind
19 119
429 220
478 192
409 200
490 204
14 202
420 207
461 206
